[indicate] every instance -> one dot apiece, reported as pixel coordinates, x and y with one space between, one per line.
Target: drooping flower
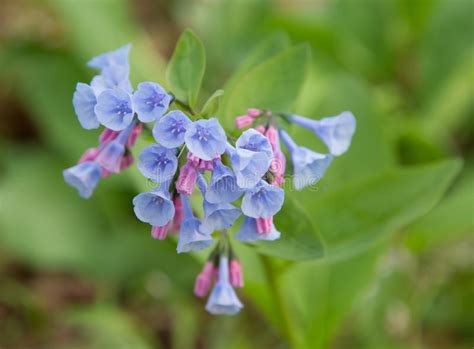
223 186
308 165
84 101
254 141
248 232
150 101
206 138
117 57
191 238
155 207
114 109
204 280
336 131
158 163
263 201
170 129
111 156
223 300
110 78
84 177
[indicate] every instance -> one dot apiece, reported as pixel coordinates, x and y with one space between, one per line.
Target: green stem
184 106
278 299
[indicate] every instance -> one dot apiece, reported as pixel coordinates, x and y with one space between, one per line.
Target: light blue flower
110 157
263 201
158 163
114 109
219 216
191 238
170 129
336 131
248 166
248 232
84 177
84 101
155 207
223 300
117 57
254 141
223 187
111 78
308 166
205 138
150 101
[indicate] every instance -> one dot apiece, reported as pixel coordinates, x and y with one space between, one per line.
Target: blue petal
111 156
114 109
219 217
206 138
154 207
170 129
111 58
158 163
249 166
111 78
263 201
308 166
254 141
337 131
191 238
84 101
84 177
150 101
248 232
223 187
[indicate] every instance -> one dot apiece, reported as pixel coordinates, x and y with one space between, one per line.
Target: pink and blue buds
187 178
158 163
223 300
247 119
336 131
263 200
249 231
114 109
308 166
170 129
150 101
155 207
251 158
84 177
190 236
223 186
206 138
112 154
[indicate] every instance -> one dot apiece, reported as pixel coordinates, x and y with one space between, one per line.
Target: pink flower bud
203 281
235 274
254 112
134 135
89 155
261 129
126 162
193 159
187 179
160 232
178 214
243 121
264 225
108 135
272 136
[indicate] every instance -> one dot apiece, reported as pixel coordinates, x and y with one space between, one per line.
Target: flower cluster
194 154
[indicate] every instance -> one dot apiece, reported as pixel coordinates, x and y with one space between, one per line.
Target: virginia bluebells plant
236 177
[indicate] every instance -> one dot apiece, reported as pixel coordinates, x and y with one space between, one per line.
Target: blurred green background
395 213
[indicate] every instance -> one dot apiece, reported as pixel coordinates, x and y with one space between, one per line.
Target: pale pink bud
261 129
203 280
254 112
235 274
108 135
264 225
243 121
187 179
178 214
89 155
160 232
134 135
193 159
272 136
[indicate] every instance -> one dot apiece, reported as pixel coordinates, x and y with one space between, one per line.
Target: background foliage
380 256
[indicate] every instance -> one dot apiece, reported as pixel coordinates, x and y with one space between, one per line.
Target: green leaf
186 68
300 240
211 107
274 84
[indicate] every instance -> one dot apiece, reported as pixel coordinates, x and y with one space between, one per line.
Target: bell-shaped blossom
248 232
223 186
235 274
336 131
308 165
111 156
190 236
223 300
150 101
263 201
204 280
84 177
117 57
170 129
158 163
254 141
114 109
84 101
206 138
155 207
249 166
